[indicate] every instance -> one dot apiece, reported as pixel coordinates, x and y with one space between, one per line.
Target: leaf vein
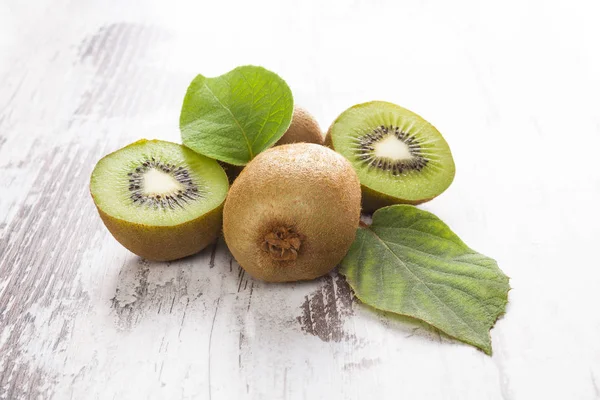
453 259
234 118
428 288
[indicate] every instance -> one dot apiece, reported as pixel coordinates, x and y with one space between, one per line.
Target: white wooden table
515 88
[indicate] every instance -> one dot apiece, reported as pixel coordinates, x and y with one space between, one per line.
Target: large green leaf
235 116
409 262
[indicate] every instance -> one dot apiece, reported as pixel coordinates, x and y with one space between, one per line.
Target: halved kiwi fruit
160 200
292 213
398 156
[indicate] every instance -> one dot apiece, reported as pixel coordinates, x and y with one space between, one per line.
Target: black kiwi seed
396 167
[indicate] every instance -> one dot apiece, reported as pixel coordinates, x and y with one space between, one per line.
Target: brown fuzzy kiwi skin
372 200
328 140
303 129
306 187
166 243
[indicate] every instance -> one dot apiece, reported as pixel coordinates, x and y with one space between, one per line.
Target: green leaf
235 116
409 262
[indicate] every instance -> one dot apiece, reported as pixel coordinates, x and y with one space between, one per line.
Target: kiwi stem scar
282 243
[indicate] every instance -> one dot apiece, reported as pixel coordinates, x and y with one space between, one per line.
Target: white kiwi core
392 148
158 182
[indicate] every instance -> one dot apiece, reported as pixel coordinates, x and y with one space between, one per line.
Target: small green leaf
235 116
409 262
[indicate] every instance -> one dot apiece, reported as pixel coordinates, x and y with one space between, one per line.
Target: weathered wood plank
80 317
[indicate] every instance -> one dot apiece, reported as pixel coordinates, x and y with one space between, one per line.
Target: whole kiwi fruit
160 200
303 129
398 156
292 213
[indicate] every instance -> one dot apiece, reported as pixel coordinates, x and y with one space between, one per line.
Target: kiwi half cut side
160 200
398 156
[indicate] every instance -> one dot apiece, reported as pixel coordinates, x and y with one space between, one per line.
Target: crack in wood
210 338
241 275
250 296
211 263
595 385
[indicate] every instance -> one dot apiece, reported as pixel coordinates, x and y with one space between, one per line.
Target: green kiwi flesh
160 200
398 156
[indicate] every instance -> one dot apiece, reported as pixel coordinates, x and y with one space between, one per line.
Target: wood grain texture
513 86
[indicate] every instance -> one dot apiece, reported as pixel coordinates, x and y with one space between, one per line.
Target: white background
514 86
